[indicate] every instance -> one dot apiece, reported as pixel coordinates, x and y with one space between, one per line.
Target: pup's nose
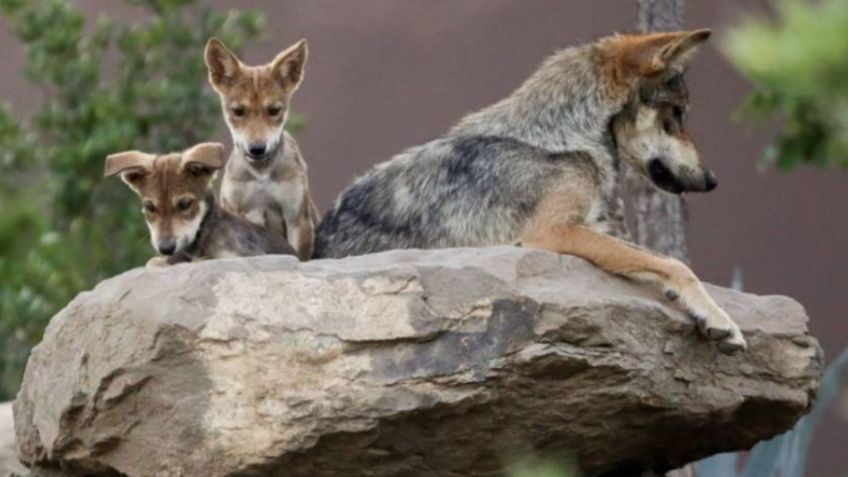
167 247
710 181
256 149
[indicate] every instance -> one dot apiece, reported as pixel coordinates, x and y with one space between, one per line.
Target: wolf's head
650 131
172 189
255 99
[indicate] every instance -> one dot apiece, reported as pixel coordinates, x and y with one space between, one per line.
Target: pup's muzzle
167 247
257 151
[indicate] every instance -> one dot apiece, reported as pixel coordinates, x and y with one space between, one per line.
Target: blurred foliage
545 469
799 65
107 86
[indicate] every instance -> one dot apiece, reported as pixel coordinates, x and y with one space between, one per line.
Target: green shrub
798 65
108 86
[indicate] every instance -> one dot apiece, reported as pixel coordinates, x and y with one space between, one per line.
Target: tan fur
633 56
569 201
563 221
645 137
273 191
171 188
559 226
552 151
180 210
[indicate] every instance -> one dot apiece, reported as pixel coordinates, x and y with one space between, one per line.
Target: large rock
9 464
409 363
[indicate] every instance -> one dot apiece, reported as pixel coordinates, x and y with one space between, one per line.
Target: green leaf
797 64
63 227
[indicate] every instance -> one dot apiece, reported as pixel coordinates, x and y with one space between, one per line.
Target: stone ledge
407 363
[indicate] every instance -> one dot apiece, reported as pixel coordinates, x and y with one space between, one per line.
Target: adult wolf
540 168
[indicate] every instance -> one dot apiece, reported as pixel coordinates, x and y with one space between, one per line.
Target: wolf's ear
204 158
289 64
131 165
222 63
650 55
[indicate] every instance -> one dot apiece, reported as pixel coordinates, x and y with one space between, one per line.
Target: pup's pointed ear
131 165
204 158
289 65
224 66
653 54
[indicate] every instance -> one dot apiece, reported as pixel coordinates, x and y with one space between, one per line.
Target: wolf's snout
662 176
710 181
167 247
678 179
257 149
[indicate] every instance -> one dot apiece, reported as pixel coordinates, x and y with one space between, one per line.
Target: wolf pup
179 207
540 168
265 179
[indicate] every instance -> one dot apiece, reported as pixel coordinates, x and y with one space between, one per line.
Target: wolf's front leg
622 258
300 234
160 261
713 322
300 220
254 215
157 262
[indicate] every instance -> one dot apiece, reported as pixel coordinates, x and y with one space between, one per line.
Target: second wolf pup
265 180
179 207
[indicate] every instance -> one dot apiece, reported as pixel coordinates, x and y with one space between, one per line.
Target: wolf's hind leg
621 258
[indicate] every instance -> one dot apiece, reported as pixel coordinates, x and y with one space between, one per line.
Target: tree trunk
659 15
655 219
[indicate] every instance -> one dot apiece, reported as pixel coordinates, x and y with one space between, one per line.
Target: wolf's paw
157 262
671 295
732 344
718 327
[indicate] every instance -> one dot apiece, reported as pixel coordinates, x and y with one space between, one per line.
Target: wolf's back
452 192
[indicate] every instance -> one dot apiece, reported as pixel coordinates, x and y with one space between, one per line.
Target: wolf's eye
148 207
239 111
274 110
678 113
184 204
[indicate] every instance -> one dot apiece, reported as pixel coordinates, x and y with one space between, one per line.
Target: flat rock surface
451 362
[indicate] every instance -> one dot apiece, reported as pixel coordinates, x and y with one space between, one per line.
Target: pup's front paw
181 257
157 262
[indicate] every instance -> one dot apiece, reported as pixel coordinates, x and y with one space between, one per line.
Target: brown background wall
388 74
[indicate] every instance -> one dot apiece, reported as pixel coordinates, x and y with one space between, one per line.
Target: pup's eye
184 204
149 207
239 111
274 110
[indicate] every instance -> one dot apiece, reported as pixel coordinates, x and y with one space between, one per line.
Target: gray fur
481 182
452 192
223 234
256 185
